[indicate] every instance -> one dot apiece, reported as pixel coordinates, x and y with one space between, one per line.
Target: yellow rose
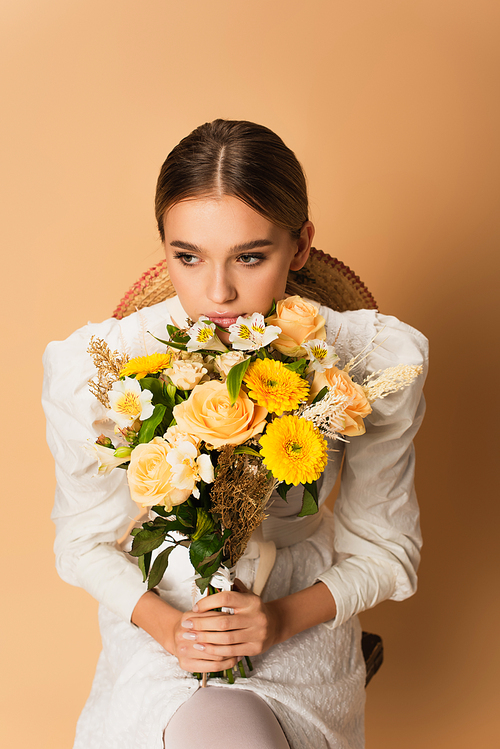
358 408
299 321
185 374
149 476
208 414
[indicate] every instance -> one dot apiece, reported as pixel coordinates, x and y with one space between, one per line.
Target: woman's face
226 260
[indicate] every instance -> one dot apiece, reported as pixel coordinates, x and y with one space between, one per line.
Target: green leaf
204 547
147 430
298 366
155 386
186 515
243 450
283 490
172 330
147 540
180 346
309 500
203 583
174 344
160 522
321 394
171 391
206 554
272 310
144 562
235 378
160 564
181 336
211 565
160 340
178 525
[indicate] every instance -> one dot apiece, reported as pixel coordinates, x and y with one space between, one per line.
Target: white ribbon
222 580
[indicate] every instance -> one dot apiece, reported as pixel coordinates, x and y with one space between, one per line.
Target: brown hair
238 158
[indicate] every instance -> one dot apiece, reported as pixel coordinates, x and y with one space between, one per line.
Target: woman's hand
206 640
192 654
210 634
164 623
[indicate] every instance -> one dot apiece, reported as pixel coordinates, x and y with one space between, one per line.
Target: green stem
242 670
249 663
229 675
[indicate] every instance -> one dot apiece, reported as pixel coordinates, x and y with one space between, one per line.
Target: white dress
368 551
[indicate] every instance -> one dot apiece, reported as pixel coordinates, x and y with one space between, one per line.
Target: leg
221 716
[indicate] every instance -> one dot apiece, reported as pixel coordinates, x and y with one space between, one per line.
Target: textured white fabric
314 681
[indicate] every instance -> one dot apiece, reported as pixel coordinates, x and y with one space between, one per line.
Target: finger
187 652
189 622
220 623
223 651
226 598
233 637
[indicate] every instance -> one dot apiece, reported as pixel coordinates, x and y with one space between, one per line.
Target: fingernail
197 646
189 635
195 607
187 623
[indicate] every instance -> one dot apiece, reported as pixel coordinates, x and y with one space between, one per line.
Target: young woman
232 212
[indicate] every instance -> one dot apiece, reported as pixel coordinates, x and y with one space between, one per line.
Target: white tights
221 716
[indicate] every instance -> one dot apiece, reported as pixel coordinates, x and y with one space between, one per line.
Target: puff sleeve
377 532
91 512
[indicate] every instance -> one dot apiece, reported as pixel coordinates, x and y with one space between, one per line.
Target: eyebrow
254 244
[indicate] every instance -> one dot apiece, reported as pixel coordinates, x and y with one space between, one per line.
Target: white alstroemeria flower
321 355
252 333
188 467
202 335
105 456
129 403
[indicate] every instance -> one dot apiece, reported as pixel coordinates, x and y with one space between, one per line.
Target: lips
224 320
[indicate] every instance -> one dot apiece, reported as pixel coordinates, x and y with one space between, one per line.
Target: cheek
261 291
183 284
275 283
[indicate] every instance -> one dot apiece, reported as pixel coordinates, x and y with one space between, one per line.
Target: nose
221 288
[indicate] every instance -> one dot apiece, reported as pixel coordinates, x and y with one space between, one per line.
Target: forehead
217 221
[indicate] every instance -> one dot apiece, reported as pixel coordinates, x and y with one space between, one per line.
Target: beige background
392 107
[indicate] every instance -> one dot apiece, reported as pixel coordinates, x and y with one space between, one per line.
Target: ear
303 246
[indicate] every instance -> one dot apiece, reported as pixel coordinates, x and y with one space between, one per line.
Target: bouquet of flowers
207 431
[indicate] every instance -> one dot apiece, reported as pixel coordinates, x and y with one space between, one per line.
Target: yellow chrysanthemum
274 386
144 365
294 450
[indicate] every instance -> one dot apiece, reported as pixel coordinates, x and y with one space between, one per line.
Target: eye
251 259
186 258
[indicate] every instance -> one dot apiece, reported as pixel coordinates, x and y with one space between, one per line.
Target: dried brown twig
108 364
240 493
